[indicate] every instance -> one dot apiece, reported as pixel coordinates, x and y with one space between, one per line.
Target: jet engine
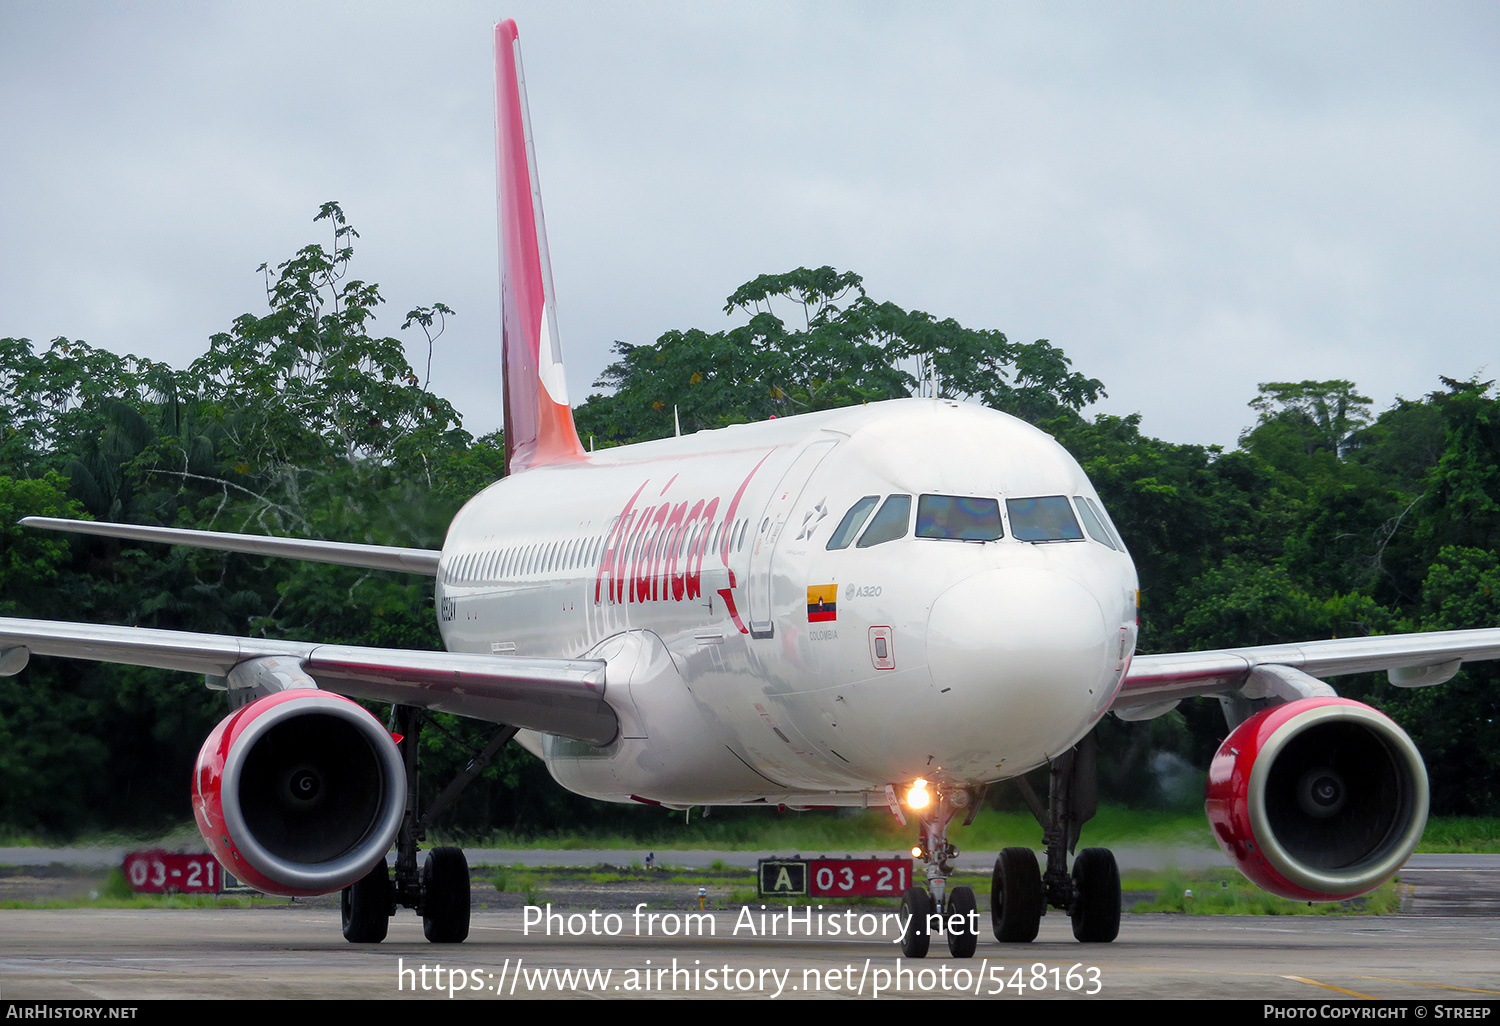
299 793
1319 799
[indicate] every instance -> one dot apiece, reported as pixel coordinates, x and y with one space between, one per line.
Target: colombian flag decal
822 603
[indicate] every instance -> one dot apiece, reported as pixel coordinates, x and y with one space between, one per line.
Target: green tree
847 349
1457 725
307 383
51 400
1461 504
298 421
1318 414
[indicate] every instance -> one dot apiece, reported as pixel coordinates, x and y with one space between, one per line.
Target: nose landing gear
930 909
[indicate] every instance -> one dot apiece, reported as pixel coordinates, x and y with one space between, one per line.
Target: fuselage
804 610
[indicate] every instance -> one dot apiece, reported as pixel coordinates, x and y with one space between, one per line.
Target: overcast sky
1188 199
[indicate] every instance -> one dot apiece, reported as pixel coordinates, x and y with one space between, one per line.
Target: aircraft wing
555 696
375 557
1410 660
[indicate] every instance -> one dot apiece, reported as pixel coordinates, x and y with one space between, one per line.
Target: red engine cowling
1319 799
299 793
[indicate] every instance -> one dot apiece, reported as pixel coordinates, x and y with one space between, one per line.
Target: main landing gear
439 891
1020 892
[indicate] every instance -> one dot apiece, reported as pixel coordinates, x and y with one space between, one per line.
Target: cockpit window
959 517
889 524
1091 522
1109 524
852 522
1047 518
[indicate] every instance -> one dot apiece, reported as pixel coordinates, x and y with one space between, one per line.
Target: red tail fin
538 421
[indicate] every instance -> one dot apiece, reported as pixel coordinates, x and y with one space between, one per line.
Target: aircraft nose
1025 655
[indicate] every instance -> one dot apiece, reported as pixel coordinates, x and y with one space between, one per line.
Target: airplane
893 605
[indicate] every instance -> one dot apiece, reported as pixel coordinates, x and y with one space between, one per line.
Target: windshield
960 517
1046 518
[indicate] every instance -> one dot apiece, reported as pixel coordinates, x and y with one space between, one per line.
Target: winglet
538 420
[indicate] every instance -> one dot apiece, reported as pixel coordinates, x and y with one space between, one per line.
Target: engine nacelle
1319 799
299 793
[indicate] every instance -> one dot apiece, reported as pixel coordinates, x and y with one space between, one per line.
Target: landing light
917 796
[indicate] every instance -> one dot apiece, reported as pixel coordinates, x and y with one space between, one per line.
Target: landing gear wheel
445 896
916 905
1017 899
366 907
962 922
1096 901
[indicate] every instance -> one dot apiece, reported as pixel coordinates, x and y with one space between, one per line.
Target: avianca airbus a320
892 605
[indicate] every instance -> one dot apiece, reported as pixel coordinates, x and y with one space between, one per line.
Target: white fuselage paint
993 657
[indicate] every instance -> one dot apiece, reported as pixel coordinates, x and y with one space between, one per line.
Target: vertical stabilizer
538 421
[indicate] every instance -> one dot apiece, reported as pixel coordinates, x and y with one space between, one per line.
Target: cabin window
889 524
852 522
958 517
1043 519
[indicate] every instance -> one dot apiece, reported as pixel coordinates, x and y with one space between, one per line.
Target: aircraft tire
366 907
445 896
916 904
1017 899
963 935
1096 901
